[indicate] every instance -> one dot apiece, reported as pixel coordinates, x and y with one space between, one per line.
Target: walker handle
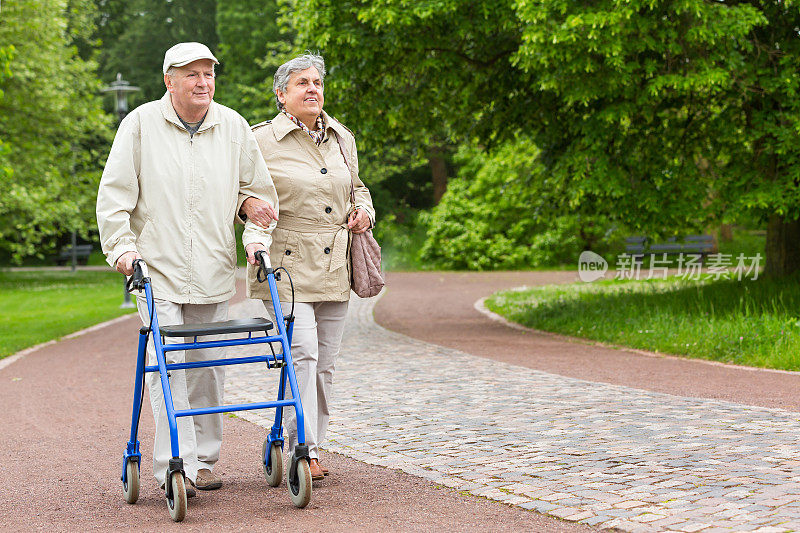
136 281
263 270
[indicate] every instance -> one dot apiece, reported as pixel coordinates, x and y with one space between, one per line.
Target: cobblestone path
594 453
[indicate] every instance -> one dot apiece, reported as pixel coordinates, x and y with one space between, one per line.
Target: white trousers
199 437
316 338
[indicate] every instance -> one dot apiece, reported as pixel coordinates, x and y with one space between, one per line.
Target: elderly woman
312 159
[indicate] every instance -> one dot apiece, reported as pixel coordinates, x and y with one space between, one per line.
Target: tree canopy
135 34
411 76
674 112
657 116
54 131
252 45
6 52
662 114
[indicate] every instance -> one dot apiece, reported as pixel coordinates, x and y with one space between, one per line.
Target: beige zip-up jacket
313 183
174 198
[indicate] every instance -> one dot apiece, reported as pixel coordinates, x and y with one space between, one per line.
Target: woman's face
303 97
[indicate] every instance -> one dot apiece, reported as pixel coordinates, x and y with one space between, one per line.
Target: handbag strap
349 168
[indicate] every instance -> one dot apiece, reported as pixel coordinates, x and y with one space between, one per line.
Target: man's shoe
206 480
316 471
190 492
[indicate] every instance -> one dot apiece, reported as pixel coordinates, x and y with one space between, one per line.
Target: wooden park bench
702 245
82 253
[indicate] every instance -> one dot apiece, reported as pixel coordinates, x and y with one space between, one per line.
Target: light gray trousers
316 339
199 437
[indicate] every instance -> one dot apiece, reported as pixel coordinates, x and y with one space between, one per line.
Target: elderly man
177 175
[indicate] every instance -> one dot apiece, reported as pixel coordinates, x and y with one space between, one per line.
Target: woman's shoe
316 471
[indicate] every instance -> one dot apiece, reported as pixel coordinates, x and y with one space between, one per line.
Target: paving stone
629 504
549 443
542 507
649 517
643 528
594 520
690 527
564 512
581 515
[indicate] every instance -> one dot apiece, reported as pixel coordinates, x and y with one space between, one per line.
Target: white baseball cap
184 53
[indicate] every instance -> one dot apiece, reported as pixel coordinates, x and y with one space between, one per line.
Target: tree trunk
726 232
438 174
783 246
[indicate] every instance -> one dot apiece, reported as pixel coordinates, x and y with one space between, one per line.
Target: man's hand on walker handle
125 263
358 221
251 250
259 211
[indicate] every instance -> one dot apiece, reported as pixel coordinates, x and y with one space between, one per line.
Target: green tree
6 53
679 112
51 118
136 34
112 16
252 44
664 114
411 76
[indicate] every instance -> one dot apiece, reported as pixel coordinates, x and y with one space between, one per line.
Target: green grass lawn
36 307
755 323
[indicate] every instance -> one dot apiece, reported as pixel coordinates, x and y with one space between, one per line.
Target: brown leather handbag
366 274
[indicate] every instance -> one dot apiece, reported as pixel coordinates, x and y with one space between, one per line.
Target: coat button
328 209
327 250
323 170
288 252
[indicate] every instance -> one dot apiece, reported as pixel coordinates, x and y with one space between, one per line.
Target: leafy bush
502 212
401 240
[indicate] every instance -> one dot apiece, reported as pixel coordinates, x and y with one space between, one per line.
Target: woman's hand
259 211
358 222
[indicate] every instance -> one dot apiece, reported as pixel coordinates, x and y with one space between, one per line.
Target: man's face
303 97
192 86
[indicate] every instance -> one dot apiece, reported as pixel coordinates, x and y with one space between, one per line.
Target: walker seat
238 325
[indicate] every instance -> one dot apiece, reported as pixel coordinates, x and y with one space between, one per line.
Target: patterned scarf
317 135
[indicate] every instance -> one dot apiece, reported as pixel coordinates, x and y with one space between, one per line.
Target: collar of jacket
282 125
169 114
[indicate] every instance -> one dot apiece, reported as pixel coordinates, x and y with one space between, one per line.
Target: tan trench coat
174 198
313 184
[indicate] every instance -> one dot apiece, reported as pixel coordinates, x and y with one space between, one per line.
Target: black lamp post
121 88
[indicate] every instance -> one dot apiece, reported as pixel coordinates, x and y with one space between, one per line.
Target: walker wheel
300 488
130 487
272 465
177 505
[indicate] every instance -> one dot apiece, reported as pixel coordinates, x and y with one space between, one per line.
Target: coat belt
305 225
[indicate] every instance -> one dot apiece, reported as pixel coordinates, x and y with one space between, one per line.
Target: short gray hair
284 72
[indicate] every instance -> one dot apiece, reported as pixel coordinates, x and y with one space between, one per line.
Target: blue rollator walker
299 478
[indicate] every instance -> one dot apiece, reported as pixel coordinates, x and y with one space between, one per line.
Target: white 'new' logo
591 266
